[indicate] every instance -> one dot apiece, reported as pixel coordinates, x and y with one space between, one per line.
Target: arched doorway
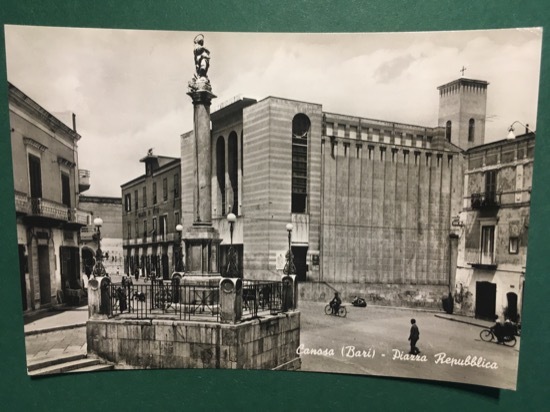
88 260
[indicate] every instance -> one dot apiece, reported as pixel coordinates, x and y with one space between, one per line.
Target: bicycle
342 311
487 335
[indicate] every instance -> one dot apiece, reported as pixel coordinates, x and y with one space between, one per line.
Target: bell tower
462 111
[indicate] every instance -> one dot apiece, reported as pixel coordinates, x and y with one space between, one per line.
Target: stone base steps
67 363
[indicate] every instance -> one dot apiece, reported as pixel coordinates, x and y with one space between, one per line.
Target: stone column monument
201 239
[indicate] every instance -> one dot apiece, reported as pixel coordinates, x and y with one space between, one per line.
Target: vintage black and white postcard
352 203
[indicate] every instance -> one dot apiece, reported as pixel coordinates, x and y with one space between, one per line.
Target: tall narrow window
65 190
233 170
176 185
162 227
471 130
220 172
137 228
300 131
136 200
129 230
242 154
35 175
128 202
490 186
448 130
144 195
165 189
145 231
154 193
487 245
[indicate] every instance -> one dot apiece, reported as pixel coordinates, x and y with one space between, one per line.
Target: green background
265 390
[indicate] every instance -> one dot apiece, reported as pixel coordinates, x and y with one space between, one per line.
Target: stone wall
414 296
268 343
386 213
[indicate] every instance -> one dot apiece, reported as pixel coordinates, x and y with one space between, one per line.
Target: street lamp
179 262
289 269
232 270
99 269
511 134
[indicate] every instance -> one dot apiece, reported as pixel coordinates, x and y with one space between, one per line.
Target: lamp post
99 269
232 270
511 134
289 269
179 261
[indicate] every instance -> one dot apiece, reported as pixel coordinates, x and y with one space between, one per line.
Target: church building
371 202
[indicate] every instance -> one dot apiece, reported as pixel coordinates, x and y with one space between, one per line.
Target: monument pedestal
202 243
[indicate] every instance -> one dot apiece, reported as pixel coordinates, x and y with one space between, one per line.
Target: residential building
495 221
151 212
47 183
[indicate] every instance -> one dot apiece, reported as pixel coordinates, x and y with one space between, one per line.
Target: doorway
512 306
165 267
70 267
44 275
300 262
88 261
486 298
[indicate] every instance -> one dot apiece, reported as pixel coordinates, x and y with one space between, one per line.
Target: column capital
200 92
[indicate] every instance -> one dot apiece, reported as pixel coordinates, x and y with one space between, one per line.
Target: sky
128 88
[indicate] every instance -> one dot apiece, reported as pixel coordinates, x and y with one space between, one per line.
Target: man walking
413 337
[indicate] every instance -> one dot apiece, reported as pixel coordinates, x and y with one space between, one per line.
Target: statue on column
202 57
202 63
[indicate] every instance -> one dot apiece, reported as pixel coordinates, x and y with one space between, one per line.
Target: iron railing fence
164 299
261 298
161 299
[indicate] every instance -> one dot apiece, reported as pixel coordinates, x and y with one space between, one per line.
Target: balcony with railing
481 260
83 180
49 209
22 204
78 216
486 200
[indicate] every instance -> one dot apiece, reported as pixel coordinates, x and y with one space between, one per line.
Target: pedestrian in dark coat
413 337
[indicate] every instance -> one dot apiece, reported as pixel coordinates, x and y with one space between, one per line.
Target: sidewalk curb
54 329
418 309
460 321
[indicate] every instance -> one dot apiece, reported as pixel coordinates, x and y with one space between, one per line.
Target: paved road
385 331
